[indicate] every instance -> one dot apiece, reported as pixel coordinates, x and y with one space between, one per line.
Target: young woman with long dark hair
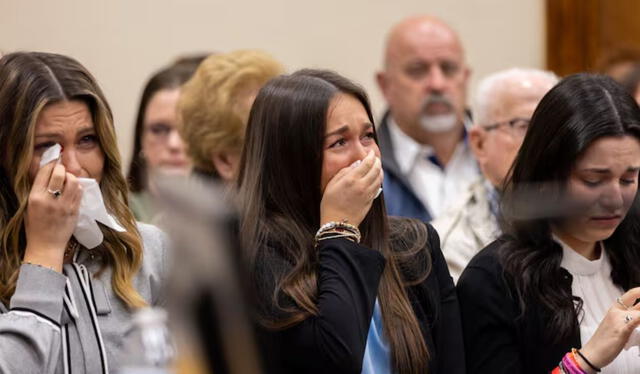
565 273
341 287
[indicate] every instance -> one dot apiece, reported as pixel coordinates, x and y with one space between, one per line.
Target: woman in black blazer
564 273
341 288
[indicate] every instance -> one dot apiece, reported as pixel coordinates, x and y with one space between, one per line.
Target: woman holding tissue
558 291
72 268
341 288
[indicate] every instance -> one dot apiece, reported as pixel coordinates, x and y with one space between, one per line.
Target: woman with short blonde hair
214 108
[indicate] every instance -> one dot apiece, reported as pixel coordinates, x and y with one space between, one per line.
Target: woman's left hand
613 331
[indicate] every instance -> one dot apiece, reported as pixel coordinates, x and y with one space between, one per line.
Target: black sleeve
334 341
447 330
488 320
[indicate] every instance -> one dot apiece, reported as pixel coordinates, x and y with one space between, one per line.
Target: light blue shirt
377 359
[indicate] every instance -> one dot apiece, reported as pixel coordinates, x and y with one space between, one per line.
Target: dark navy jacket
398 195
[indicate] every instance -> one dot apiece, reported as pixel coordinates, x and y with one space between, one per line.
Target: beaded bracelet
340 225
334 235
337 234
354 234
341 228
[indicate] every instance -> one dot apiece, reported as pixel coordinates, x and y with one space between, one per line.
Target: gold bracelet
330 234
340 227
336 234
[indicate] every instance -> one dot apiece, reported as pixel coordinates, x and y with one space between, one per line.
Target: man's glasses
517 126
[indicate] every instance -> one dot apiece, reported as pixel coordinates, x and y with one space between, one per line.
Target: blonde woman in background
65 308
214 109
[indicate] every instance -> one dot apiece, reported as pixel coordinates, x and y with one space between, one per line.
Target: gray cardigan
74 322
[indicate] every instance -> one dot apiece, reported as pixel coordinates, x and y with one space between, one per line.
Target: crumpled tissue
92 209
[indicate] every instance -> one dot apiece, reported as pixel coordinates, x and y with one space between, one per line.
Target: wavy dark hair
279 190
579 110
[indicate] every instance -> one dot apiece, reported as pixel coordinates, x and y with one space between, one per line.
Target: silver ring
619 301
628 318
56 194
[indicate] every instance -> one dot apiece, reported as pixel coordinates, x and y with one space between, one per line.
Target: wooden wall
581 34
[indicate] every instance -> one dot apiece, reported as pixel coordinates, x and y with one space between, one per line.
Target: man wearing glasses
505 102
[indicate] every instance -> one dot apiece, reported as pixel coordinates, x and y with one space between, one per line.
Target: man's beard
439 122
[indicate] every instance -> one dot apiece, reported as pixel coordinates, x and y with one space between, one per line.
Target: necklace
71 249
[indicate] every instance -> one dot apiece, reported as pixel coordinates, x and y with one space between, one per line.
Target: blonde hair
214 104
31 81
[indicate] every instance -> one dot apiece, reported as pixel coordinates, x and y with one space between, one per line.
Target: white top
592 283
437 188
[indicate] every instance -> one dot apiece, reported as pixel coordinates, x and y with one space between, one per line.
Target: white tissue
92 209
52 153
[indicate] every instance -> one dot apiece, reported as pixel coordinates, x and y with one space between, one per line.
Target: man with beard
503 106
427 162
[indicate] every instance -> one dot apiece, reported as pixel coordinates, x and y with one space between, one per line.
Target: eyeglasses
160 131
518 126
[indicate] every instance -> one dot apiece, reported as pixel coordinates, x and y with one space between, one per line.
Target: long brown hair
30 82
279 191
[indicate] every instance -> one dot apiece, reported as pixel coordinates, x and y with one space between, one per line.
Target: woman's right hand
349 194
50 220
613 332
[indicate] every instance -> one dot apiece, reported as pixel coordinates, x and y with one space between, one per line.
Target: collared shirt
437 187
593 284
493 197
469 226
377 356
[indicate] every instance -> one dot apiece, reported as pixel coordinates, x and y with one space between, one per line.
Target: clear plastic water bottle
149 348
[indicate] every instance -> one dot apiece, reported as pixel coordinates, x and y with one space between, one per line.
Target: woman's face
348 136
70 124
162 147
603 185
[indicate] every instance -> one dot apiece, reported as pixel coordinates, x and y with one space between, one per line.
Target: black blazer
496 339
335 340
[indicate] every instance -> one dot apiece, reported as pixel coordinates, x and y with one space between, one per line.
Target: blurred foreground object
206 295
150 350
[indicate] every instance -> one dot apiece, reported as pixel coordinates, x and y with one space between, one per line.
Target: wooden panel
620 23
581 33
568 21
